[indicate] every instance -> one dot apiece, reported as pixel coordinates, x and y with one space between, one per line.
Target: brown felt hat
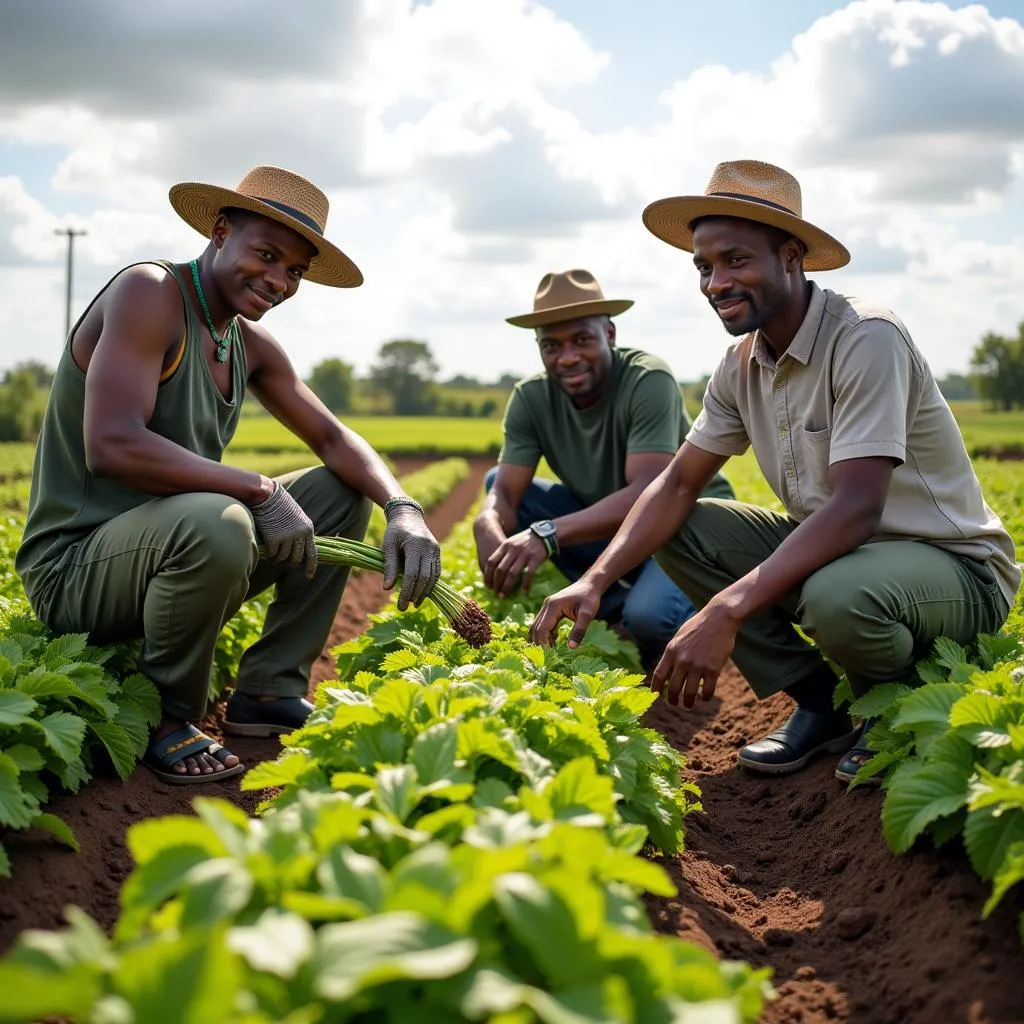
568 296
278 195
754 191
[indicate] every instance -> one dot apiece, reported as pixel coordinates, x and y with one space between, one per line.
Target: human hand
408 540
522 553
695 656
285 531
579 602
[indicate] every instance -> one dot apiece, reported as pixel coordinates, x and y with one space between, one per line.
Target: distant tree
41 373
488 407
460 380
405 370
332 382
957 387
998 369
22 405
507 381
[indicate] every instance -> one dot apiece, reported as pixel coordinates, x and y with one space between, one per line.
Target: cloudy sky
469 146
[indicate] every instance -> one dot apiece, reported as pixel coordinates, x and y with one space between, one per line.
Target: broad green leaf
620 866
1003 790
31 994
881 762
396 661
918 795
17 808
578 790
491 793
136 728
397 698
879 700
989 834
57 828
42 683
64 649
173 831
929 705
543 924
1009 873
982 718
354 876
16 708
395 792
11 651
142 693
186 978
352 957
278 943
27 759
118 745
64 734
214 890
287 770
949 653
379 745
496 828
624 706
433 752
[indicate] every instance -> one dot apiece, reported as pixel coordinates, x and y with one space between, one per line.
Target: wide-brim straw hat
754 191
279 195
571 295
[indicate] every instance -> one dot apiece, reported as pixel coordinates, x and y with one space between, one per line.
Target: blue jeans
645 600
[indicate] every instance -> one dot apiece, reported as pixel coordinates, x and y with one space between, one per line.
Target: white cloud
449 137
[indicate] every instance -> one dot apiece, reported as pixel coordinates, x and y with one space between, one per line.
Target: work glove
285 531
407 536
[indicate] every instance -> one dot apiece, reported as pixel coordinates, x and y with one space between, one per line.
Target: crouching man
886 542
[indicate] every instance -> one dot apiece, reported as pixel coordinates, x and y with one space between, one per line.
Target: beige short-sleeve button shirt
853 385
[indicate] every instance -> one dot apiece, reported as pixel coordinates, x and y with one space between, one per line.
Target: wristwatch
546 530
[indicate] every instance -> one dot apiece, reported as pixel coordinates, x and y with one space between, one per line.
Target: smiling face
578 355
750 273
258 263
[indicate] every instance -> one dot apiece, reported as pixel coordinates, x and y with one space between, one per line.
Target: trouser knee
217 538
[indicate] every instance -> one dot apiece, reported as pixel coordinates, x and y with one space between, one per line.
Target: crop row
455 835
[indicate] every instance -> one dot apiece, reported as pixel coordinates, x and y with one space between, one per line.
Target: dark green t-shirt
642 411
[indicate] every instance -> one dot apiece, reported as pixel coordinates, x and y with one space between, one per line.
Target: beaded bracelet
392 503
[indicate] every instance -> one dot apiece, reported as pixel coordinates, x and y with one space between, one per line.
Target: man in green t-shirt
608 421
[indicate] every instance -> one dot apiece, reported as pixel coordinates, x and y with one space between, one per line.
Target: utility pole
70 233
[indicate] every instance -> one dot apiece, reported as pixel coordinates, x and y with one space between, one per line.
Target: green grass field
396 435
993 431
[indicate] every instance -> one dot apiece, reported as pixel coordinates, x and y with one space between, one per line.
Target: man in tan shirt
886 543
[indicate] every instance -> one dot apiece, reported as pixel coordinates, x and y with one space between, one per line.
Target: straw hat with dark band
279 195
754 191
571 295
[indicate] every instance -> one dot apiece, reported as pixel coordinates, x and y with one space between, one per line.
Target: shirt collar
802 345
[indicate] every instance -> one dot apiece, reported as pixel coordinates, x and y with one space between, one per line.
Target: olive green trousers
875 612
174 570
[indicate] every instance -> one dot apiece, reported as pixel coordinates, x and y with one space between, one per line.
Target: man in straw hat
608 421
136 529
886 542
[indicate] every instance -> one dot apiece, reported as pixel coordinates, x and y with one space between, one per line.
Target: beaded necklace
222 343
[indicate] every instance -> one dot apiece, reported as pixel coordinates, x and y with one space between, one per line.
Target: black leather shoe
802 736
246 716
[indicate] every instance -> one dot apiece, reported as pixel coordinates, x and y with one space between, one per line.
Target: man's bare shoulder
143 284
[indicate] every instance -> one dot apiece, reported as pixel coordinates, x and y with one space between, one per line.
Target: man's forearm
653 519
828 534
152 464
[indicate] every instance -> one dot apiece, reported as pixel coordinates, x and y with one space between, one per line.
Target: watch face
544 529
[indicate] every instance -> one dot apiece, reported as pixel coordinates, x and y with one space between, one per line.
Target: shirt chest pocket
813 448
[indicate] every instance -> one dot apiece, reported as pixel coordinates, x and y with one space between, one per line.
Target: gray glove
285 530
407 535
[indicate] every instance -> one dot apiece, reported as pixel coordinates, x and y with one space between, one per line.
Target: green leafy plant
59 704
953 753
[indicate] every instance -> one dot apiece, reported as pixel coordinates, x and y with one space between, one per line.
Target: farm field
794 874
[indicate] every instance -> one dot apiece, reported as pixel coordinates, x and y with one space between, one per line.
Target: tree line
403 381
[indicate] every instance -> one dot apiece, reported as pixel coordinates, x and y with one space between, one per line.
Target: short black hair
777 237
237 217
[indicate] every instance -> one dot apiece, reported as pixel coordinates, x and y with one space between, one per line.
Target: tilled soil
787 872
793 873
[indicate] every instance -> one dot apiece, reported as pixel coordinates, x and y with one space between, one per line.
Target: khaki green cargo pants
875 612
174 570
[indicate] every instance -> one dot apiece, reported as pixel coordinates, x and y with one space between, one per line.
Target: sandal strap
182 743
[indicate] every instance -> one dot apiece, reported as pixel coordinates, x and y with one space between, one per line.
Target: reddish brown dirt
45 877
793 873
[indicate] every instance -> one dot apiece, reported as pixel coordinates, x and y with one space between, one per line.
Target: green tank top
66 501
